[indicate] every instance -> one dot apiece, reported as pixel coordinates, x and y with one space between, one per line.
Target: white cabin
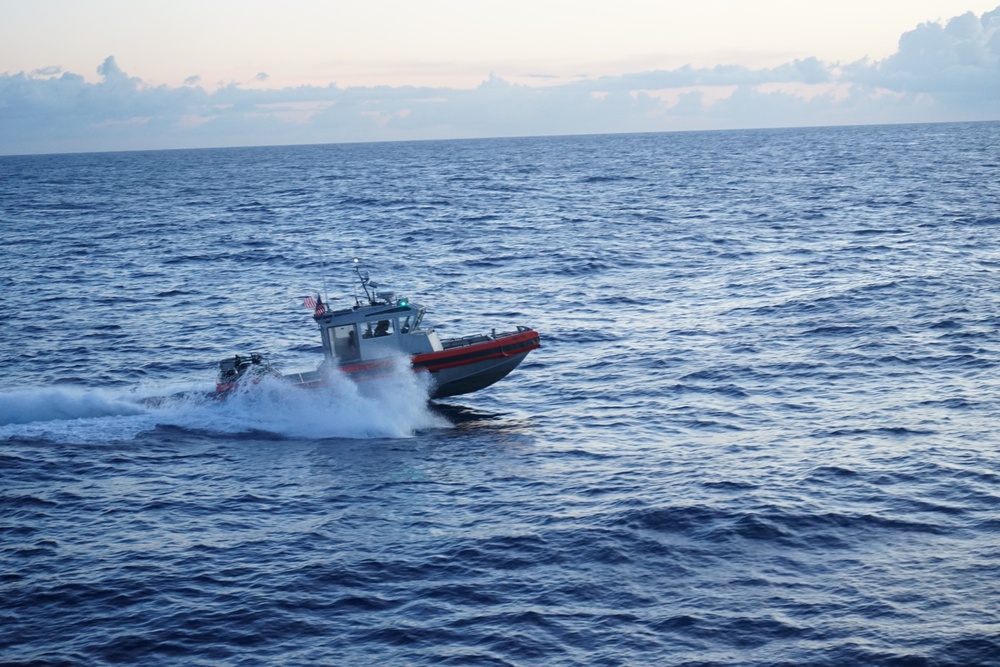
382 329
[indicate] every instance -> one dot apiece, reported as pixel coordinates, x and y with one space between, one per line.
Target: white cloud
941 71
52 70
961 56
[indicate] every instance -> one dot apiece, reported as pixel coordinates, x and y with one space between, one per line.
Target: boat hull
462 369
466 365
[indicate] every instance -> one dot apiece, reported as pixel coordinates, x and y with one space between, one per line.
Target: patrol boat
363 340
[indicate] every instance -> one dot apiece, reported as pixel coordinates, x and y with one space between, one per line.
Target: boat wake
394 405
61 403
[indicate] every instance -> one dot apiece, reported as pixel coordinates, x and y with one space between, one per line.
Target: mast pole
322 264
364 281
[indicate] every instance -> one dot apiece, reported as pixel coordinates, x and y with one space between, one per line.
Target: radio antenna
322 264
364 282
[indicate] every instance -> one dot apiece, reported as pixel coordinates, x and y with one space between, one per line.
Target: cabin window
378 329
404 325
383 328
345 342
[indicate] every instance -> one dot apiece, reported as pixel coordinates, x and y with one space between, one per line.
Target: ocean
762 428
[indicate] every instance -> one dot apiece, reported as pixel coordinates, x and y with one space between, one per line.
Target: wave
60 403
392 406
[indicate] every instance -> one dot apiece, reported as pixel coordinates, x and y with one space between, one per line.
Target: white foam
71 414
394 406
58 403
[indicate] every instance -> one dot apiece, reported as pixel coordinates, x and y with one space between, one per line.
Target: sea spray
24 406
392 405
71 414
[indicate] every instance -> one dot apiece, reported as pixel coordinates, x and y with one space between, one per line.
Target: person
383 328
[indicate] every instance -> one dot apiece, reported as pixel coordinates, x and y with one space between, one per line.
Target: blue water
762 428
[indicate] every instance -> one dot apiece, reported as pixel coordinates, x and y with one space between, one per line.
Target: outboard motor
232 369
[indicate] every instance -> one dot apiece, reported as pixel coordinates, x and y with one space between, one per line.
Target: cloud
799 71
112 73
960 56
52 70
941 71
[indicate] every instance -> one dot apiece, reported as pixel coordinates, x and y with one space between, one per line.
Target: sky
126 75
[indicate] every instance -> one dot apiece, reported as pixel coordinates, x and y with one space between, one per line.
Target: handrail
480 338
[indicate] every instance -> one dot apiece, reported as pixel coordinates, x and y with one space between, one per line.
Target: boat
364 341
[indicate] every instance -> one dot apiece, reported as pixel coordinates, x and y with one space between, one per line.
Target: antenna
322 264
364 282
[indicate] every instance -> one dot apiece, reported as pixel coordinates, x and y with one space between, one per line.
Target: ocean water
762 428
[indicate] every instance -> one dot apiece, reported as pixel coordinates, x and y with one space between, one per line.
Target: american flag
309 302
